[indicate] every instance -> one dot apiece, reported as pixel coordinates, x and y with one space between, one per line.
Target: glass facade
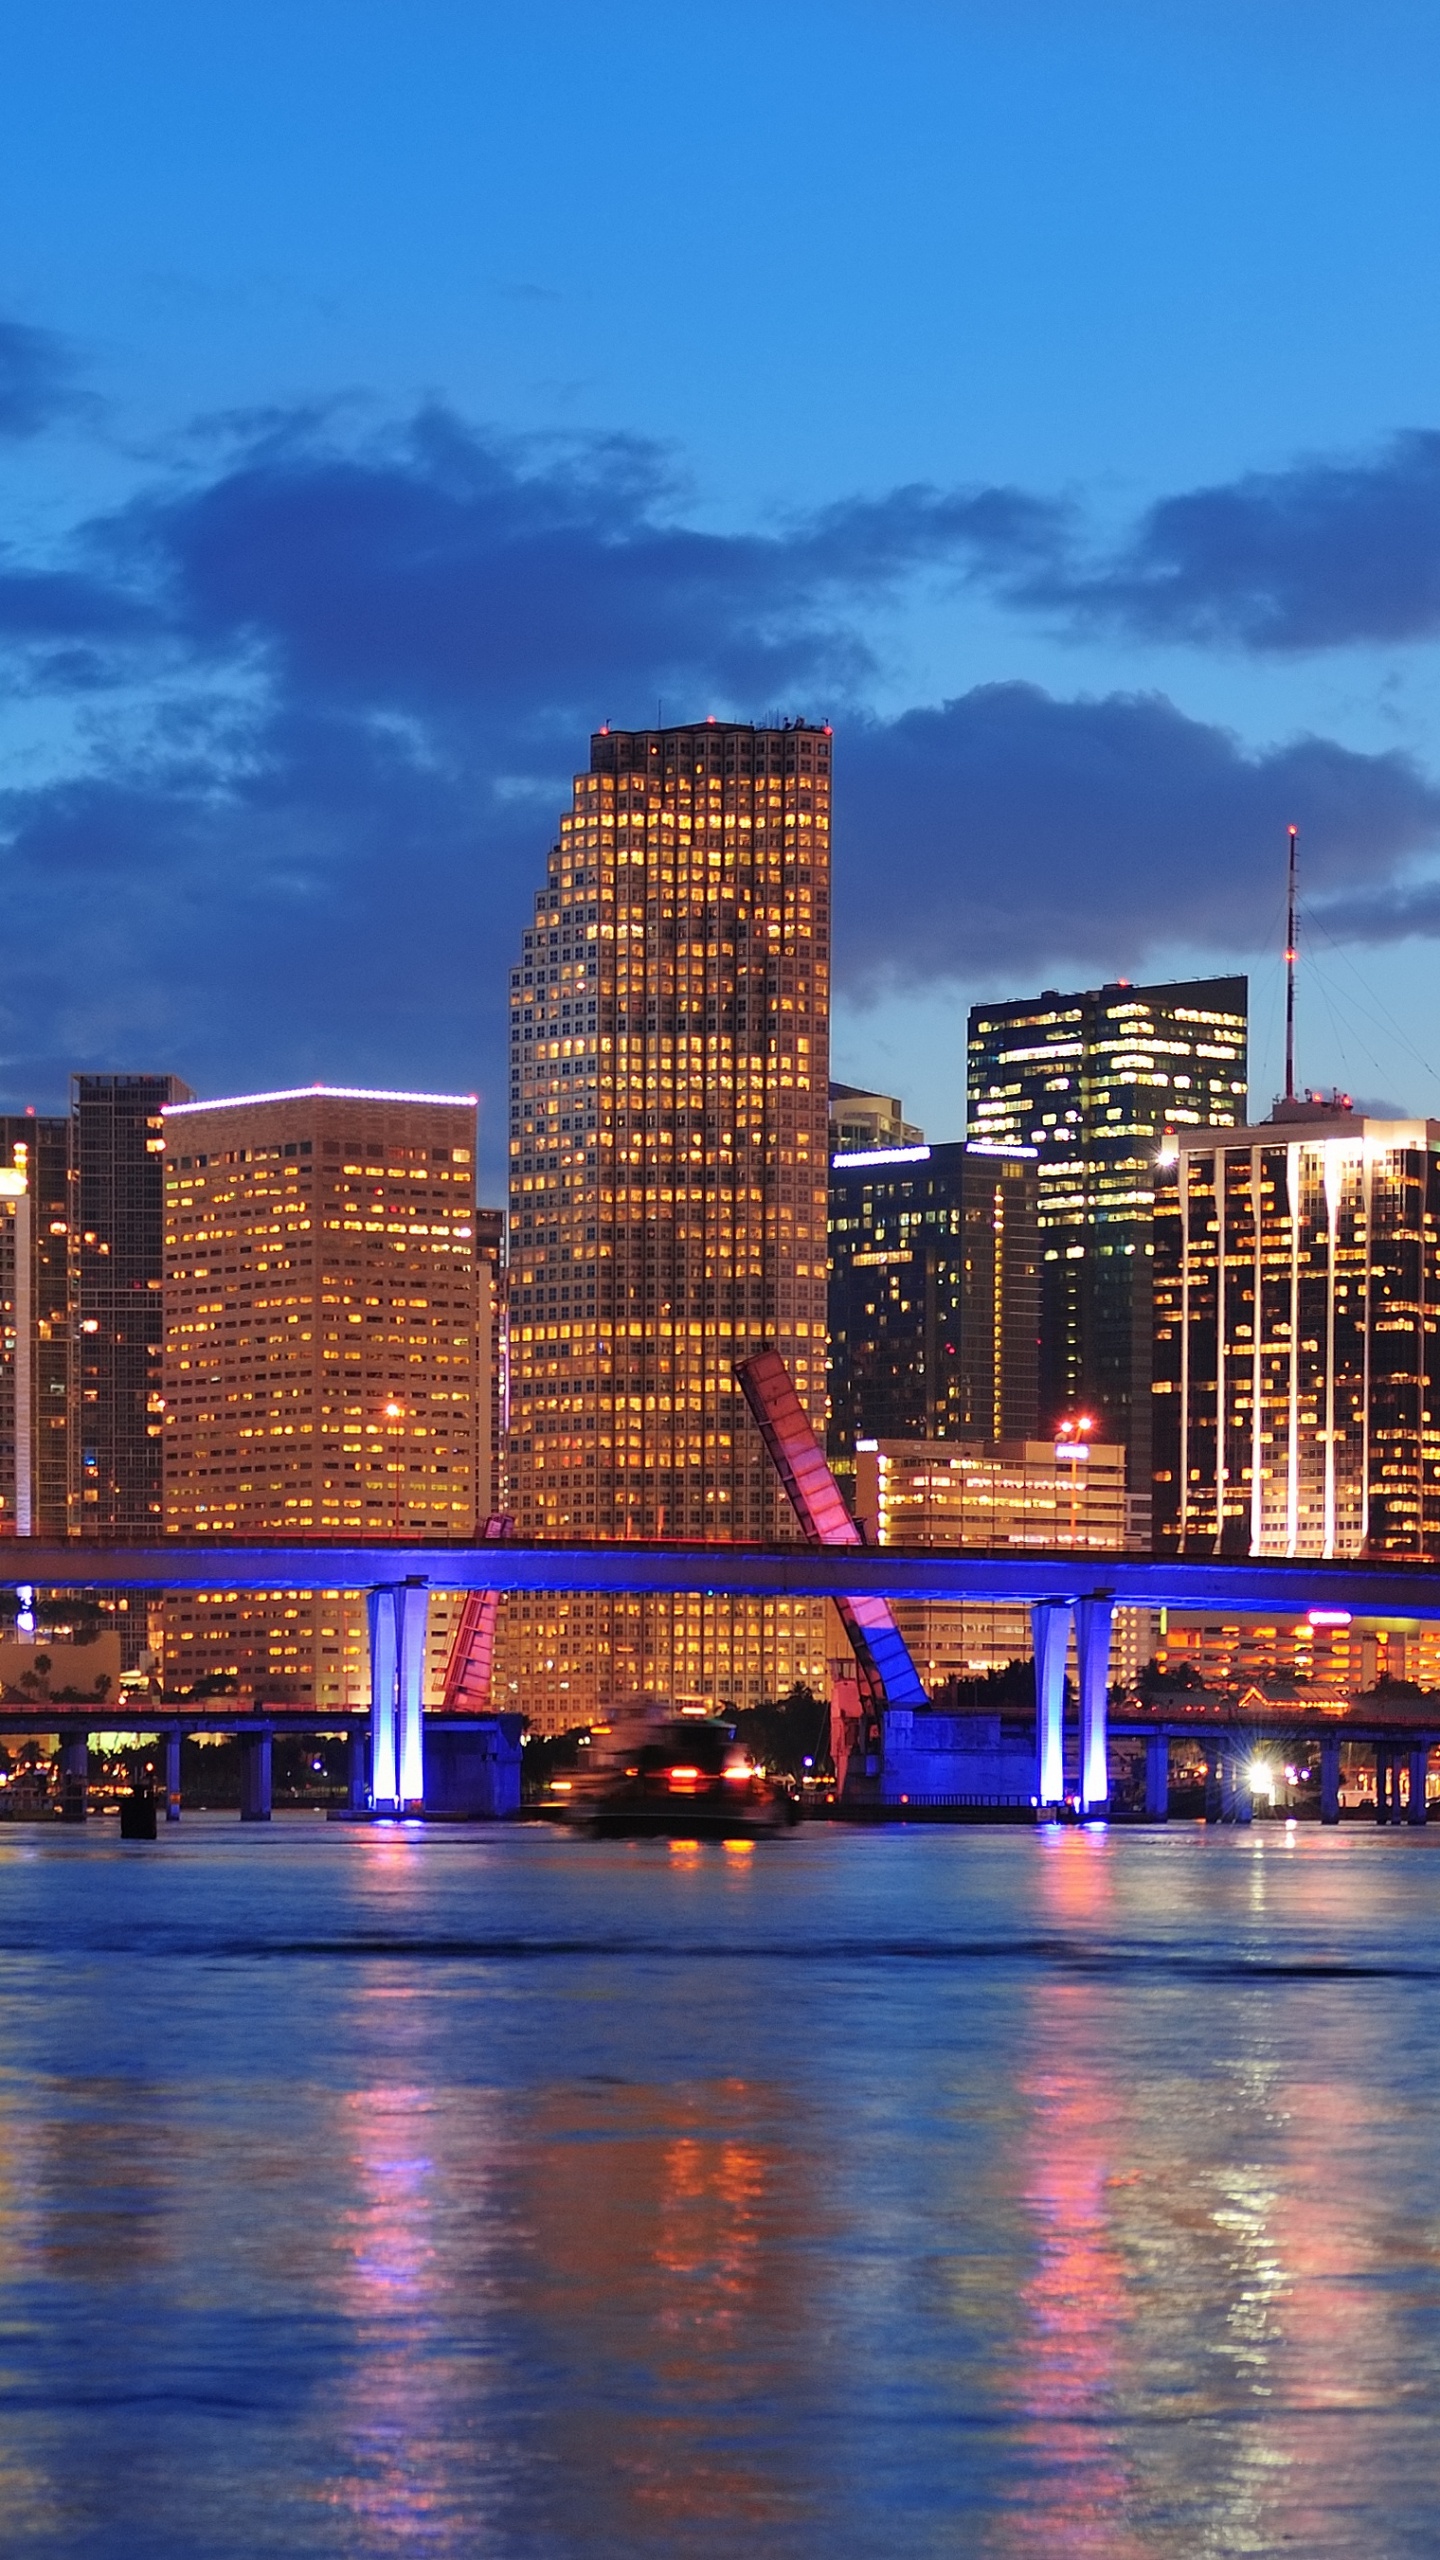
40 1148
934 1296
1297 1362
669 1016
1093 1081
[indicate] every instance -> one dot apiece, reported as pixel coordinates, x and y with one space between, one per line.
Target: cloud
327 693
35 379
1009 830
1323 555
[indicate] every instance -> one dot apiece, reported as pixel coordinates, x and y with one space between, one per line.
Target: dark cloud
1007 830
329 696
1323 555
35 379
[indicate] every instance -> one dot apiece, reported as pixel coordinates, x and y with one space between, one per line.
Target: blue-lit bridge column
412 1618
1050 1629
172 1774
1157 1777
1092 1647
75 1778
1419 1769
255 1775
380 1609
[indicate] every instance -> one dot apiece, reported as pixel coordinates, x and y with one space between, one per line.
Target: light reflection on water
1065 2194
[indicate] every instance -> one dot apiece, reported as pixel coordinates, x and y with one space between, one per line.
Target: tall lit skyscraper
1297 1385
39 1296
669 1091
934 1295
117 1265
1092 1082
327 1368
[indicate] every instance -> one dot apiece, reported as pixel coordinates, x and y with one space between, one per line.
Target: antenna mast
1294 833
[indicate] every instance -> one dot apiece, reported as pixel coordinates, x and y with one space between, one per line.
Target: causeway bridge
1064 1589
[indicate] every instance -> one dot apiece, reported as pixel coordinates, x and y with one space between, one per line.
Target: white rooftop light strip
882 1155
317 1093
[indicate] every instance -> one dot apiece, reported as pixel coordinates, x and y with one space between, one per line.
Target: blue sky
388 394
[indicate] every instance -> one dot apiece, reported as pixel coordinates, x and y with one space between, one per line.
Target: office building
326 1361
1297 1361
934 1296
990 1495
37 1288
117 1265
1093 1081
864 1121
492 1257
669 1097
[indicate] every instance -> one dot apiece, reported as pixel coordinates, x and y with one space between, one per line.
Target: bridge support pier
1419 1770
399 1617
1228 1790
1092 1646
75 1778
1384 1781
255 1776
359 1769
1330 1778
172 1775
1050 1632
1157 1777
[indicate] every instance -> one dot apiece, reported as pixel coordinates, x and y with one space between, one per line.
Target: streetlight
1072 1438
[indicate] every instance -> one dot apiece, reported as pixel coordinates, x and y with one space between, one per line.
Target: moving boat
661 1771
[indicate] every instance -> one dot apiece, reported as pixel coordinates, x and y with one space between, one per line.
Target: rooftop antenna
1294 834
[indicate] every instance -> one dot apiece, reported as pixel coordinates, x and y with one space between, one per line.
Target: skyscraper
39 1149
669 1087
326 1360
1093 1081
117 1265
1297 1377
934 1295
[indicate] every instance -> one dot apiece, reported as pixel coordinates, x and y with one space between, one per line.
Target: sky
390 394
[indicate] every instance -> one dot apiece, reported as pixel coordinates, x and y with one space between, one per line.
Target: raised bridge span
1064 1588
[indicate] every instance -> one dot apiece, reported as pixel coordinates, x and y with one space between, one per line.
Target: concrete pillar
75 1778
1092 1646
172 1775
359 1769
1228 1766
255 1776
1214 1767
1419 1765
1050 1627
1157 1777
380 1606
1382 1783
1330 1778
412 1615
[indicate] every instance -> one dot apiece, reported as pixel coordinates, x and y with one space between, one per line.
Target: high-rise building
990 1495
934 1295
117 1267
1093 1081
38 1148
1297 1363
864 1120
669 1090
492 1256
327 1361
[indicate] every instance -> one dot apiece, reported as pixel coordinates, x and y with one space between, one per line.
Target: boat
656 1770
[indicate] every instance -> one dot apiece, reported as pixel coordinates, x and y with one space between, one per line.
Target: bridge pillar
1383 1780
1050 1628
1157 1777
412 1616
1092 1645
1419 1770
380 1606
75 1778
172 1774
359 1769
1214 1770
1330 1778
255 1776
1229 1763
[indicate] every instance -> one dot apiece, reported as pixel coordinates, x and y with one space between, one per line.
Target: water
927 2192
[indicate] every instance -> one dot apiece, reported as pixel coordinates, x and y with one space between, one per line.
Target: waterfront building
990 1495
117 1268
493 1257
933 1295
1093 1081
1297 1360
35 1150
669 1014
326 1362
860 1120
